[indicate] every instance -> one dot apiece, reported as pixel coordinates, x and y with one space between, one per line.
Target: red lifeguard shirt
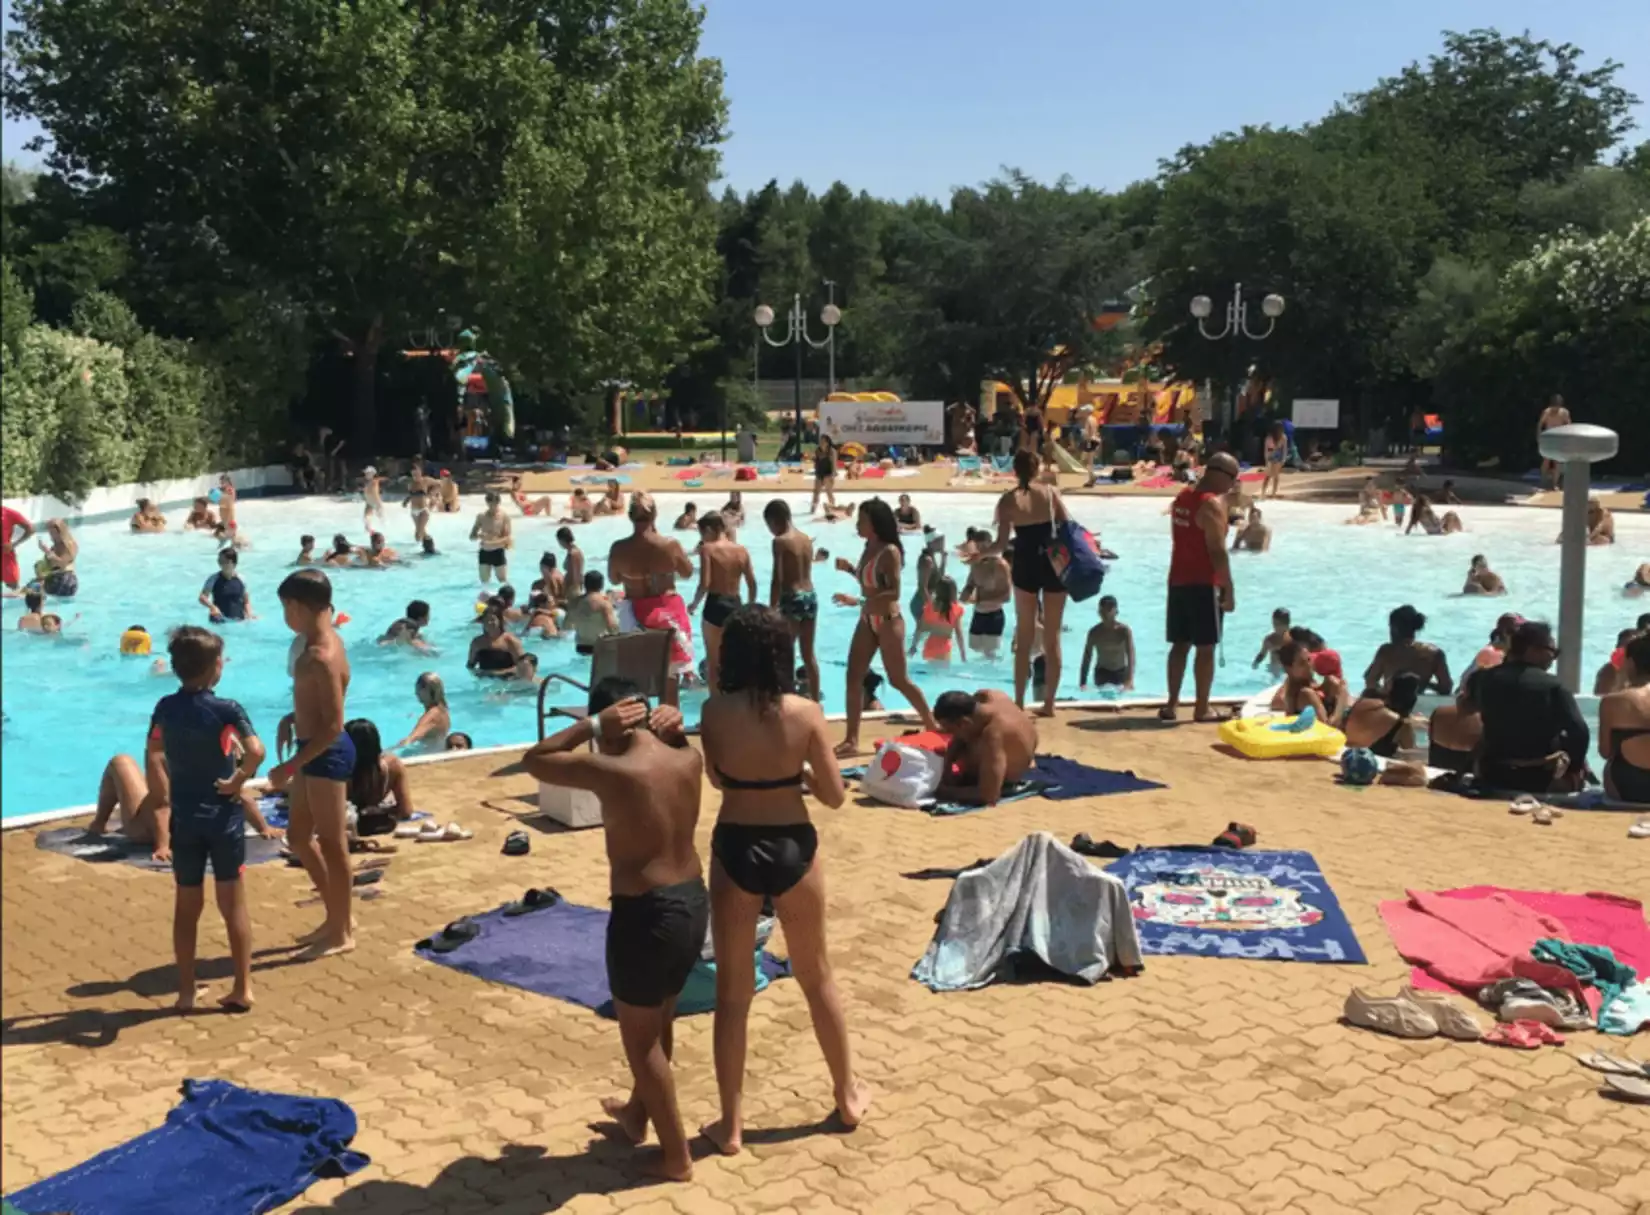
1189 563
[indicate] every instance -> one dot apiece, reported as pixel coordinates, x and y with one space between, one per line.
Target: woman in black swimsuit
764 745
824 473
1624 727
496 651
1383 723
1031 512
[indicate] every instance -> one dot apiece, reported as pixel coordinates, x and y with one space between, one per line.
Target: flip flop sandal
371 845
366 877
459 932
1167 714
1541 1032
1214 717
1545 816
517 843
1515 1035
1640 830
1634 1088
430 833
407 831
455 832
534 900
1614 1064
1524 803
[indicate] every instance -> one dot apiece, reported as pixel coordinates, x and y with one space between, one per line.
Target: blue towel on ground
1072 779
558 951
225 1150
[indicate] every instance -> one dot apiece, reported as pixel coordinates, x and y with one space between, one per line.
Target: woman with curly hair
881 626
764 745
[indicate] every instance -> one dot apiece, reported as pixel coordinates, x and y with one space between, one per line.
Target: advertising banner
884 423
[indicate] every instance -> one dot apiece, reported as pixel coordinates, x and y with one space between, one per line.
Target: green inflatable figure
500 404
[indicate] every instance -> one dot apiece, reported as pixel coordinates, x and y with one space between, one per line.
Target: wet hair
431 683
494 606
565 535
229 555
340 543
1403 692
945 597
529 660
1302 635
309 588
492 498
758 656
1528 635
1505 625
418 610
34 600
955 706
375 540
610 691
689 509
711 523
777 513
1626 635
883 525
1026 468
823 554
193 651
1644 622
306 541
593 581
506 596
1405 622
1638 653
1288 652
1108 601
368 782
1280 614
1478 558
459 741
547 561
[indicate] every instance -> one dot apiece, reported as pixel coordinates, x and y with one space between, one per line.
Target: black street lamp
796 334
1236 328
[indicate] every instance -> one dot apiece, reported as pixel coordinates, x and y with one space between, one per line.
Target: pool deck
1203 1085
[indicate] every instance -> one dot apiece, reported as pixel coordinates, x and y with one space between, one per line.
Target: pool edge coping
39 818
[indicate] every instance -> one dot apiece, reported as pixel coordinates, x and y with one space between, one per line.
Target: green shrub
66 427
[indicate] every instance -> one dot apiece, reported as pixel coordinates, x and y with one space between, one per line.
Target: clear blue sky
905 97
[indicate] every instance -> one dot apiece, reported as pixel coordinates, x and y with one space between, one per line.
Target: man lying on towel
647 564
993 742
647 779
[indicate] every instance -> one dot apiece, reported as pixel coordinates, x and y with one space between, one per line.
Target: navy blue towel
1072 779
224 1150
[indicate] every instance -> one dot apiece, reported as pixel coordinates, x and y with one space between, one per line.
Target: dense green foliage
238 196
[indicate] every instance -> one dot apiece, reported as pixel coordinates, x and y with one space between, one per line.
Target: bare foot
726 1140
1168 713
1045 711
631 1121
320 934
236 1002
186 999
326 949
851 1106
661 1168
848 748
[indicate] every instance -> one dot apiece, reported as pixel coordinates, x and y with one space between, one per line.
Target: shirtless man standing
988 589
1556 414
648 781
572 561
320 771
647 564
492 529
723 564
591 616
226 503
992 740
792 590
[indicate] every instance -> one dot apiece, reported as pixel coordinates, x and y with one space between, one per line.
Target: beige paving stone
1203 1085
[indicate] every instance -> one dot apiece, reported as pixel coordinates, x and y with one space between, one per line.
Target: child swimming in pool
207 821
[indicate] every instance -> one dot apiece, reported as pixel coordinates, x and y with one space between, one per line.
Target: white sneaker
1529 1008
1453 1020
1396 1015
1641 829
1524 803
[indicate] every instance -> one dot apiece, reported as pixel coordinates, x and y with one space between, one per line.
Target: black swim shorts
654 940
1194 615
496 557
216 836
718 608
987 624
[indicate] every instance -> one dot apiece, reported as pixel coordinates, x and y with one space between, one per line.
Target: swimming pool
73 703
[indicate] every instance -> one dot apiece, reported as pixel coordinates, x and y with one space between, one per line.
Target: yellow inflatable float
1281 737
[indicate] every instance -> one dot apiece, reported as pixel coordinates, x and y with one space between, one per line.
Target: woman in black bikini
1384 723
764 745
1624 727
1031 512
496 651
881 627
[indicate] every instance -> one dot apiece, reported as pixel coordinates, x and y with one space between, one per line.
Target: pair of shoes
1524 1035
1540 814
1412 1014
435 833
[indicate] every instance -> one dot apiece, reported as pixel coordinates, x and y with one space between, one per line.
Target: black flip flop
451 937
1084 846
534 900
517 843
366 877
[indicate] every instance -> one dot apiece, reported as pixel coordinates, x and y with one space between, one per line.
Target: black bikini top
784 782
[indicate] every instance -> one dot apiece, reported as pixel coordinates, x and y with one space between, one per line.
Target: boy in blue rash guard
320 771
199 733
223 595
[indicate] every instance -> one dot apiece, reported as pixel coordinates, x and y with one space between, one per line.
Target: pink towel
1595 918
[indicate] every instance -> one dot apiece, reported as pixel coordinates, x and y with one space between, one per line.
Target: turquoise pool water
70 704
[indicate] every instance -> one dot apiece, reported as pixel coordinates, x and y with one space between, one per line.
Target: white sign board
1314 414
884 423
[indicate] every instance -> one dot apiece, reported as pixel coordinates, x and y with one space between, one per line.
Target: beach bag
1075 555
902 776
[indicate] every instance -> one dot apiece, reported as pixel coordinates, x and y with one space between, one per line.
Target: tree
539 171
1006 284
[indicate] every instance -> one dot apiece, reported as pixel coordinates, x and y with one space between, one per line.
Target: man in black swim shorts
648 781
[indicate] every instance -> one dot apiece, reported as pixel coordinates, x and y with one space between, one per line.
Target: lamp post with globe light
796 334
1236 328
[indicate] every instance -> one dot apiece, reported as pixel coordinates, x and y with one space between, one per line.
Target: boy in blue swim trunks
320 771
792 589
199 734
